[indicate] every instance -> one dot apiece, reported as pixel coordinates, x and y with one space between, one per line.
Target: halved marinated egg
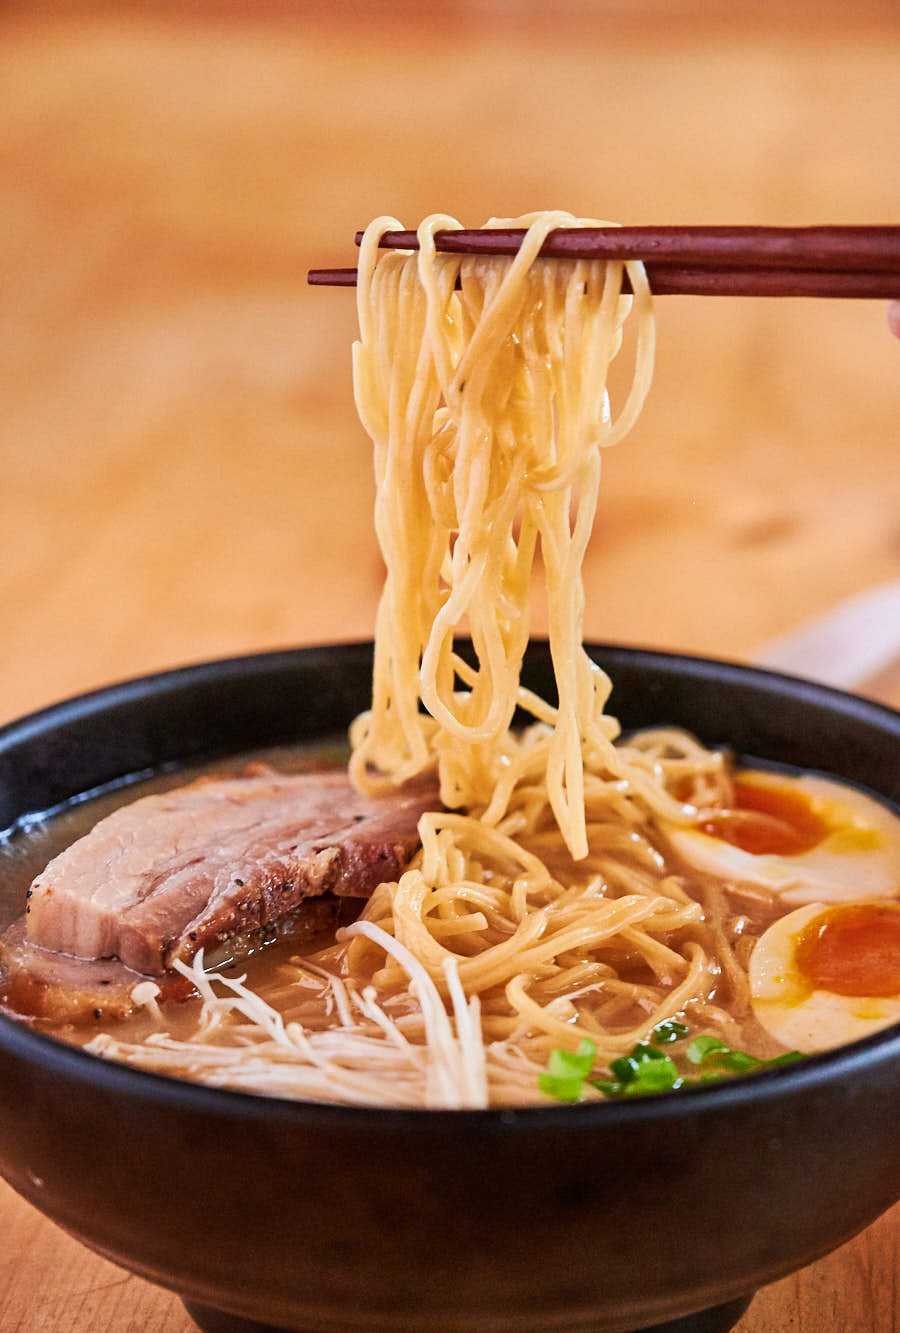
806 838
825 975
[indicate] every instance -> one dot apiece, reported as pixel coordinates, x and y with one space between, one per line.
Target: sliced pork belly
222 857
54 986
43 984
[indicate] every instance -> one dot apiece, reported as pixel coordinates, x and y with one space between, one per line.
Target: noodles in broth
543 907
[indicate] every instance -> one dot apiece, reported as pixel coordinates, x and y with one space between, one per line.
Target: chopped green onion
670 1030
708 1050
628 1067
701 1047
647 1069
563 1089
789 1058
609 1088
567 1070
739 1062
624 1070
572 1064
660 1075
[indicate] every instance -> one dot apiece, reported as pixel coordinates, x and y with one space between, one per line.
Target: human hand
894 317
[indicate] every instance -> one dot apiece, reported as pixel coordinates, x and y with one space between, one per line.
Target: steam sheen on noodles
540 909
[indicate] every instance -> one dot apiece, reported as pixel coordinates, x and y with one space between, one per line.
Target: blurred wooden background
183 475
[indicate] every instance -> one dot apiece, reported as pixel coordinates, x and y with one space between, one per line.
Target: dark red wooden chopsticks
855 261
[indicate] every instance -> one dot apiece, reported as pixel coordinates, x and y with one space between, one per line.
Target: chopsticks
854 261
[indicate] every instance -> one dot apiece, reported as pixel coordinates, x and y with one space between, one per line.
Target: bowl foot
717 1319
211 1320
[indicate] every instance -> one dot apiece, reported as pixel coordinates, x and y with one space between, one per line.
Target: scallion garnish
670 1030
702 1049
567 1071
647 1069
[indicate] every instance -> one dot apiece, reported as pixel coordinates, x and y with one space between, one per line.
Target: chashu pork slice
39 983
59 988
192 867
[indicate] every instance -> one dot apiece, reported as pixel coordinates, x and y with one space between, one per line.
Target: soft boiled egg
806 838
825 975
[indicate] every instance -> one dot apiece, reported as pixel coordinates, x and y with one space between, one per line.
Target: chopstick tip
331 277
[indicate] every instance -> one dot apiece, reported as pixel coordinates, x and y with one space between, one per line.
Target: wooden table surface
183 474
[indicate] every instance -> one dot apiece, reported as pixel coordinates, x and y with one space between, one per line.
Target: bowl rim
240 665
70 1062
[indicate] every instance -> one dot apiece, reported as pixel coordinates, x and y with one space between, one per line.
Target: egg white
860 855
801 1018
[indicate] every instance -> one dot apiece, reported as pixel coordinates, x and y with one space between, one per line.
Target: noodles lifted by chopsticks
488 409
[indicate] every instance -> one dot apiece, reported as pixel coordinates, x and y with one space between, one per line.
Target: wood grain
183 474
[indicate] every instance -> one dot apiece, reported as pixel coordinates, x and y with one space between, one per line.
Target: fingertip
894 318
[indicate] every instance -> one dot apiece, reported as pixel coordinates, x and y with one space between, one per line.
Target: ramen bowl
326 1219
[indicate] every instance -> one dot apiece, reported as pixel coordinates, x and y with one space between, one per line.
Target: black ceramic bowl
329 1219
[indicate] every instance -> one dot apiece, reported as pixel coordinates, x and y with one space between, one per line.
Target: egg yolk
768 821
852 950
